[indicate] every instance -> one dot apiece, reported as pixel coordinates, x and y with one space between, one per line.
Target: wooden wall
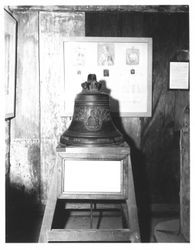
39 122
25 128
185 175
54 28
159 142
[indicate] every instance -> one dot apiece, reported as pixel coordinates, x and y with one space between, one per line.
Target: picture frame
179 75
10 41
122 64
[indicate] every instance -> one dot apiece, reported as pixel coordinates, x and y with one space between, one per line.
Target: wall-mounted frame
10 32
179 75
123 64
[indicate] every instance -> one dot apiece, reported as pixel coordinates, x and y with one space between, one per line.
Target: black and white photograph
97 124
132 56
106 54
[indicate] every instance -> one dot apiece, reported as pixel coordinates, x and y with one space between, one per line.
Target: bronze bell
92 123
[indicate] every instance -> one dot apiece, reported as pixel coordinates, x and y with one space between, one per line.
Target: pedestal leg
132 207
50 208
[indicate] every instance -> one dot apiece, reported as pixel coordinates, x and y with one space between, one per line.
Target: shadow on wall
23 207
139 172
140 183
23 215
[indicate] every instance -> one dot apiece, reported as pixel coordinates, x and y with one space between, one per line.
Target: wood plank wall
38 124
185 175
54 28
25 128
158 137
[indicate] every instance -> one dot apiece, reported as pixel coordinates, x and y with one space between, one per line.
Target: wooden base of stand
126 196
83 235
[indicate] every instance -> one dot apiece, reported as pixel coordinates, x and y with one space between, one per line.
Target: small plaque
179 75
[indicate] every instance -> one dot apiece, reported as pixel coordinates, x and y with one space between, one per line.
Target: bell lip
123 144
73 144
87 141
84 145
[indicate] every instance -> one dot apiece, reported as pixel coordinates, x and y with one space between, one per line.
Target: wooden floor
105 222
25 228
115 221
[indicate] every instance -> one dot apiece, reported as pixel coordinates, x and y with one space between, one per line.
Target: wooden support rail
70 235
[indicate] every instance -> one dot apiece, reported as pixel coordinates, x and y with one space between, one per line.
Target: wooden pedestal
126 194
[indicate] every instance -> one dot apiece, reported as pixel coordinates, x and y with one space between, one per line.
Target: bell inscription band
92 122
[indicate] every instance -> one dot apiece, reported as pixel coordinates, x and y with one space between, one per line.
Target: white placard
124 64
179 75
92 176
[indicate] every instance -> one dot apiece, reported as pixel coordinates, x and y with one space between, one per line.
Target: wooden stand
127 195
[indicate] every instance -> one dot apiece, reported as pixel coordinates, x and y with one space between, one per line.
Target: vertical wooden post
131 205
50 206
185 176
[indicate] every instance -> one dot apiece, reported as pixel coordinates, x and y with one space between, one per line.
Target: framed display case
123 65
10 29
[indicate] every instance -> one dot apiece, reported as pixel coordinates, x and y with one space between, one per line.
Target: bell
92 123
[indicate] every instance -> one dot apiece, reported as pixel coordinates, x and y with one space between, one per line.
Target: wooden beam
92 196
103 235
96 213
95 150
88 8
74 205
